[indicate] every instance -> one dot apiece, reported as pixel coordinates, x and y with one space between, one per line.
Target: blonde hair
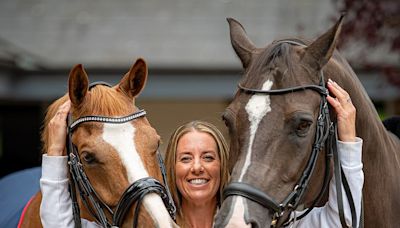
170 160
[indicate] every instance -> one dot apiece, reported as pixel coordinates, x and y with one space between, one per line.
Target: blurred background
193 70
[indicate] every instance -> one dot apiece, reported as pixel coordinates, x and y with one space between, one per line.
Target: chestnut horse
114 152
272 133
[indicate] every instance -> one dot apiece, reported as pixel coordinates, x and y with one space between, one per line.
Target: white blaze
121 137
257 107
237 218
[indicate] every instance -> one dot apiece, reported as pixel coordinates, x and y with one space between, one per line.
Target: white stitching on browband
104 119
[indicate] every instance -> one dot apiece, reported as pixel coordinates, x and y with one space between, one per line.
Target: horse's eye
89 158
228 117
303 127
225 119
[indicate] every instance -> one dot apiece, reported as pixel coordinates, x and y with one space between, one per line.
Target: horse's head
272 134
113 155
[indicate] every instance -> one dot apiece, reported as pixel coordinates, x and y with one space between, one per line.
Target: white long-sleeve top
56 205
328 216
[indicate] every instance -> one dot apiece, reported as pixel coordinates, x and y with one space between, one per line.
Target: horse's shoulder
31 214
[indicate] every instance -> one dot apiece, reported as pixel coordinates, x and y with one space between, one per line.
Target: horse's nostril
254 225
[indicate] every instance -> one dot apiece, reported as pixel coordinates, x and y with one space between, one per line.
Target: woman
196 161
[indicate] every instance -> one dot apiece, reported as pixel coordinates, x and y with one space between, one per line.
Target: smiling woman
196 161
197 168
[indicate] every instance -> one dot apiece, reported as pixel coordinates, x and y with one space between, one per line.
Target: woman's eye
185 159
209 158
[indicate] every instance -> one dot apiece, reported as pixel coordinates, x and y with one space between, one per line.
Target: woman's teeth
198 181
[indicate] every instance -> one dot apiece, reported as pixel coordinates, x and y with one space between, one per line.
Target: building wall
169 33
166 115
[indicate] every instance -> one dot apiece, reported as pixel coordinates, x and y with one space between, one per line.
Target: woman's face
197 167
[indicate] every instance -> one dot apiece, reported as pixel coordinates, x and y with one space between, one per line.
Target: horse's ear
78 84
321 50
240 42
134 81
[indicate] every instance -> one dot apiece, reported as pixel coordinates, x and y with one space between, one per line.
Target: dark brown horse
113 155
272 135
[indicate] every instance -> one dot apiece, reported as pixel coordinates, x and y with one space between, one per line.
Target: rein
79 182
326 136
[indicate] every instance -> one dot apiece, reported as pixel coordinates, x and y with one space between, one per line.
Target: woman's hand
345 110
58 131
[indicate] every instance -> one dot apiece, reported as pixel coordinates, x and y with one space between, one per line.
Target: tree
377 23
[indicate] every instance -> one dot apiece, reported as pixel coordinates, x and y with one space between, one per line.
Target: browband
320 89
105 119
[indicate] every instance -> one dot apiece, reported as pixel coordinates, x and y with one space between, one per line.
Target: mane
100 100
105 101
276 53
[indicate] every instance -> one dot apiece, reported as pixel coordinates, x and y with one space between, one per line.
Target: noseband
326 136
135 193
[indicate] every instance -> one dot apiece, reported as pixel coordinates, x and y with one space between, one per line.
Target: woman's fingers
57 130
339 92
345 110
64 108
335 104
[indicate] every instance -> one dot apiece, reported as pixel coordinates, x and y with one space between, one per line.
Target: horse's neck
379 144
381 149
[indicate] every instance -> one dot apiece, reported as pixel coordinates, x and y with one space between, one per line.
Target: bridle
135 193
326 136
